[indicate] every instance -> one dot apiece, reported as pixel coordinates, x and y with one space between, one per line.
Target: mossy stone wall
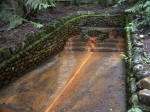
32 51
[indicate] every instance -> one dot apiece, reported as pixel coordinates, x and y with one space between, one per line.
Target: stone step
94 49
98 43
111 40
98 28
107 50
76 49
119 40
79 39
76 44
109 45
84 44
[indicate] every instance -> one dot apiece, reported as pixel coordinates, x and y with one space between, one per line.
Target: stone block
134 100
144 83
144 96
137 59
138 43
142 74
85 12
137 68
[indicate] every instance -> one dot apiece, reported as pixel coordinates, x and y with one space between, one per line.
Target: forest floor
45 17
13 36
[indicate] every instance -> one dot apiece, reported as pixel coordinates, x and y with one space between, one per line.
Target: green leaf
147 4
12 68
40 4
135 110
37 25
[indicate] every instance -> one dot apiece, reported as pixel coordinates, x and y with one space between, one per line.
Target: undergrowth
9 14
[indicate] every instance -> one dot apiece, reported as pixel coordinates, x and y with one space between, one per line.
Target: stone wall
138 74
31 52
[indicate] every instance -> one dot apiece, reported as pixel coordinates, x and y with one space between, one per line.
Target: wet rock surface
137 68
147 44
144 96
144 83
137 59
5 109
72 81
139 71
142 74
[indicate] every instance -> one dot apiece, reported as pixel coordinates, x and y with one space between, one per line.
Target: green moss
2 49
135 110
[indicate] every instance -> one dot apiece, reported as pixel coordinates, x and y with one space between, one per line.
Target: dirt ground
48 16
11 37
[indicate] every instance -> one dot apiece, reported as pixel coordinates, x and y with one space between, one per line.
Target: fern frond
13 19
137 7
37 25
147 4
40 4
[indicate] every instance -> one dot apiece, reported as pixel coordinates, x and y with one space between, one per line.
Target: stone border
138 87
39 46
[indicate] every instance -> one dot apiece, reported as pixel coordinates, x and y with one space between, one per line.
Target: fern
136 8
135 110
140 11
147 4
121 1
8 14
40 4
37 25
14 19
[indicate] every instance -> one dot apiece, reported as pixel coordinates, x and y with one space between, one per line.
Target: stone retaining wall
138 74
38 47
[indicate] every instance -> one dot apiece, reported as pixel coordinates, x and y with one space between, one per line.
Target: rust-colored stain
51 108
72 81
